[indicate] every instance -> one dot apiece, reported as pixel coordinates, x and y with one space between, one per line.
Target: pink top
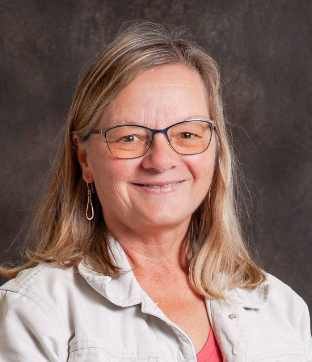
211 351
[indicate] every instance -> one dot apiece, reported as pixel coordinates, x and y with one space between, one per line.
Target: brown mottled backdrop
264 49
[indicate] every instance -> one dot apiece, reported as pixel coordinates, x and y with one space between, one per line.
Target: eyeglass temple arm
97 131
213 123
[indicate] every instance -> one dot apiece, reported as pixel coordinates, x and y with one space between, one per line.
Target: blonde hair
215 251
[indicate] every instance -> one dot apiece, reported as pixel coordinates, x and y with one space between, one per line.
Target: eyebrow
123 122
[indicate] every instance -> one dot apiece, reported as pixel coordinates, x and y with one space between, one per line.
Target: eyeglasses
132 141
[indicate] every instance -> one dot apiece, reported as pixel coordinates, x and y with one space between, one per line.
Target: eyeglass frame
103 132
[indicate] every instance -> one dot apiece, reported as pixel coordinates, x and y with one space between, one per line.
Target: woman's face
157 98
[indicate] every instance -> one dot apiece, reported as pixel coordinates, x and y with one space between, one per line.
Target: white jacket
50 314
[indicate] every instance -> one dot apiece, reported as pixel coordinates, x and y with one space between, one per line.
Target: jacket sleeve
28 331
305 329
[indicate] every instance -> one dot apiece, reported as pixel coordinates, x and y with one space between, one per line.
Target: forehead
163 95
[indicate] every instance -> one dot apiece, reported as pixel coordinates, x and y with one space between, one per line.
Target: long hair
214 249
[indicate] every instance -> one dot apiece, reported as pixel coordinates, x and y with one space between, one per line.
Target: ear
82 157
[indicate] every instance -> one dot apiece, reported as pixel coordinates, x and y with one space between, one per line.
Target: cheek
203 171
104 167
203 174
110 179
204 167
110 174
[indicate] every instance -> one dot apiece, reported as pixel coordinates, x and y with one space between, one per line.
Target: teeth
162 186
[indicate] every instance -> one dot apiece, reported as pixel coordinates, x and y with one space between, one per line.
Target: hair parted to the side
215 250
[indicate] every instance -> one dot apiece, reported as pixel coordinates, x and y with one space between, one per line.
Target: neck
156 254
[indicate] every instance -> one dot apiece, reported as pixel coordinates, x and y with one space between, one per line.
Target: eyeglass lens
133 141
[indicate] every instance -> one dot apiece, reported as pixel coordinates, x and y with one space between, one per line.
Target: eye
187 135
129 138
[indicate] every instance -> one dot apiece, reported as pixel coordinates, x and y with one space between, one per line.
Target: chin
165 220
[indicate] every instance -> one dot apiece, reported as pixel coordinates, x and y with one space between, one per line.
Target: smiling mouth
158 186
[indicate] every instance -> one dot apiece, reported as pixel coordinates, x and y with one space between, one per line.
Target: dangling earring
209 199
89 203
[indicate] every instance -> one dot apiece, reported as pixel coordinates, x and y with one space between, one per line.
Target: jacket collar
251 299
125 290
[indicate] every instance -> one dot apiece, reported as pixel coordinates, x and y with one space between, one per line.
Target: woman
141 256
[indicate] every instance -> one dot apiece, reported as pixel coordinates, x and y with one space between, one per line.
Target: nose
160 157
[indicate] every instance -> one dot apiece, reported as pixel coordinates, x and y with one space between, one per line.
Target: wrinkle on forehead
169 93
153 85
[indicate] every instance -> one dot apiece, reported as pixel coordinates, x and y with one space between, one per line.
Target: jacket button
232 316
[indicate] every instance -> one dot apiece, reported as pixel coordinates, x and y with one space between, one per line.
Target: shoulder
287 309
279 285
275 301
42 280
34 304
277 313
47 291
284 295
272 291
48 285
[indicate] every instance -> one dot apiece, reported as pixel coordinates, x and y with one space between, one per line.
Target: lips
162 186
159 185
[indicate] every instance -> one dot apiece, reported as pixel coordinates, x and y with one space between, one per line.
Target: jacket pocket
100 355
95 351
